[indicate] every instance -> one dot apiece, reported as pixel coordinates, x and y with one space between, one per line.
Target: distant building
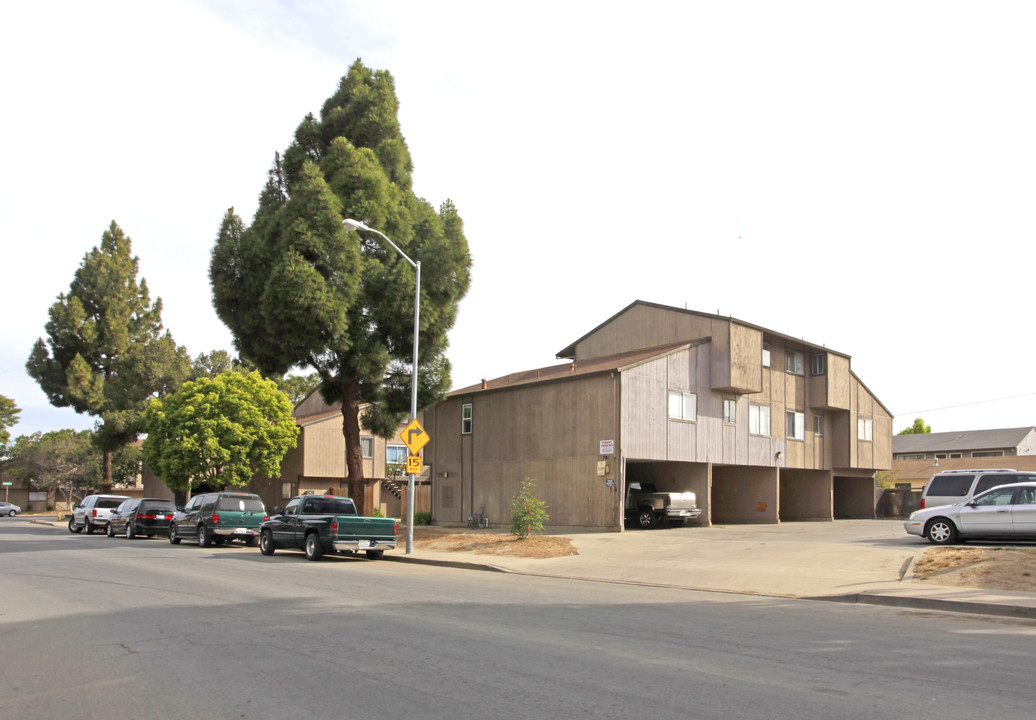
916 457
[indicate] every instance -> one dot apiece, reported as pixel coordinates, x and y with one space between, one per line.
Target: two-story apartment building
762 426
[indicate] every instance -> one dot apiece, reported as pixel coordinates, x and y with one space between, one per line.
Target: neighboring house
317 464
916 457
762 426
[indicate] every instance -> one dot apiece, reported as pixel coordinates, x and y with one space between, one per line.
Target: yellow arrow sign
414 437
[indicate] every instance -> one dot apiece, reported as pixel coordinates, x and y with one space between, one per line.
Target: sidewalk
855 561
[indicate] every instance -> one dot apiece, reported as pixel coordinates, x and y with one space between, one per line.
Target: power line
977 402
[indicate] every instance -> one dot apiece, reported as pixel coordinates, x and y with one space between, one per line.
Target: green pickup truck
326 523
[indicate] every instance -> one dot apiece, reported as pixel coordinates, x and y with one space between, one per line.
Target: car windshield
159 506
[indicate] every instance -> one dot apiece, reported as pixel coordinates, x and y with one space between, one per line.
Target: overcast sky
860 175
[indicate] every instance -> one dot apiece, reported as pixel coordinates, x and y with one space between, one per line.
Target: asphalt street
93 627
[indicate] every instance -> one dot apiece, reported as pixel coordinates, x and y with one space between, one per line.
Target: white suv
93 512
955 486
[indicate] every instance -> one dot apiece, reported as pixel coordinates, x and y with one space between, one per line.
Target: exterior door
1023 513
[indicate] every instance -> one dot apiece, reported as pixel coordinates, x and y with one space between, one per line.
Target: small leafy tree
528 514
8 418
220 431
918 428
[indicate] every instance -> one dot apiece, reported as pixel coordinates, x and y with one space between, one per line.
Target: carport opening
671 477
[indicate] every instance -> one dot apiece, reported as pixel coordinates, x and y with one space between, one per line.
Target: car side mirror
277 510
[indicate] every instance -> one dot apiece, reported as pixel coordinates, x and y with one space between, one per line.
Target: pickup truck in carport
326 523
648 507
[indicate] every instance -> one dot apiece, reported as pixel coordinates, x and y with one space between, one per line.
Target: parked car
141 516
326 523
93 512
218 518
1005 512
9 509
646 505
956 486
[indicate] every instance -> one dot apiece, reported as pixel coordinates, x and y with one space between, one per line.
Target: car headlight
912 515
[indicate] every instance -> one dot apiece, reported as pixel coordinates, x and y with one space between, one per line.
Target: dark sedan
141 516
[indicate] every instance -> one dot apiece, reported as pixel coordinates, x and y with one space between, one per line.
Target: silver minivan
954 486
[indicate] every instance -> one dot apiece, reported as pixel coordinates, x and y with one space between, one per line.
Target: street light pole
351 225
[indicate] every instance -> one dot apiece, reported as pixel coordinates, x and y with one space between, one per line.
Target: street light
351 225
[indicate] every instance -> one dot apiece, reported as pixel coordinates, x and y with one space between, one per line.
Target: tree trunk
353 451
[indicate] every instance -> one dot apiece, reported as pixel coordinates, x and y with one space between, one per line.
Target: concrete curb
923 603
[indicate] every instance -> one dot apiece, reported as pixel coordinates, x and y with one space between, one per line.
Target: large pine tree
106 354
297 290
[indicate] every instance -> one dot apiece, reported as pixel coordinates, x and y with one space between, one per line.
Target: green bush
422 518
376 513
528 514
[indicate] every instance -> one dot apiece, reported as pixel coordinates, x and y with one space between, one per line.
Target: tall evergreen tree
106 354
8 418
297 290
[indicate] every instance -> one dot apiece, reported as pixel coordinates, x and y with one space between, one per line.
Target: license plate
365 544
241 531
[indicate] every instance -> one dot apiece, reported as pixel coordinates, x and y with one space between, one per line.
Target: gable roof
965 440
570 351
584 368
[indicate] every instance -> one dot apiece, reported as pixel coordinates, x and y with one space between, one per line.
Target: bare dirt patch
985 568
535 546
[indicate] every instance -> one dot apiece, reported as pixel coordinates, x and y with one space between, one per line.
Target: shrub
377 513
527 512
422 518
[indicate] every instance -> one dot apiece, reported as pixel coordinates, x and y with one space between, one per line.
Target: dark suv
218 518
141 516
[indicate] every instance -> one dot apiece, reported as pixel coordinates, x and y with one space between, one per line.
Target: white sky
860 175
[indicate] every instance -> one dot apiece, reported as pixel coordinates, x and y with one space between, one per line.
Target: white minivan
954 486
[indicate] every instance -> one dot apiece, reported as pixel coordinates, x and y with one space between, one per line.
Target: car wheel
89 528
941 531
314 550
251 541
110 531
266 543
647 518
12 513
130 532
173 539
72 527
375 554
204 539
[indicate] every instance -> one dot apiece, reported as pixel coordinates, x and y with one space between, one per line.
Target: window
37 496
795 425
285 490
864 429
818 365
912 456
683 405
818 425
793 362
938 456
293 507
465 419
366 446
766 354
955 455
1002 496
395 454
759 419
988 453
729 410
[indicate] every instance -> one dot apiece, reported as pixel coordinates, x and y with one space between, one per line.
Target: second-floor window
395 454
366 446
766 354
683 405
795 428
865 429
818 425
759 419
818 364
465 419
729 410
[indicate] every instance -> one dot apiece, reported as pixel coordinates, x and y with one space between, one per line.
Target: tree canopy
219 431
8 418
297 290
106 354
69 461
918 428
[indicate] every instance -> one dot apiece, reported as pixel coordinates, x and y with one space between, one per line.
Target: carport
675 477
744 494
853 496
805 494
